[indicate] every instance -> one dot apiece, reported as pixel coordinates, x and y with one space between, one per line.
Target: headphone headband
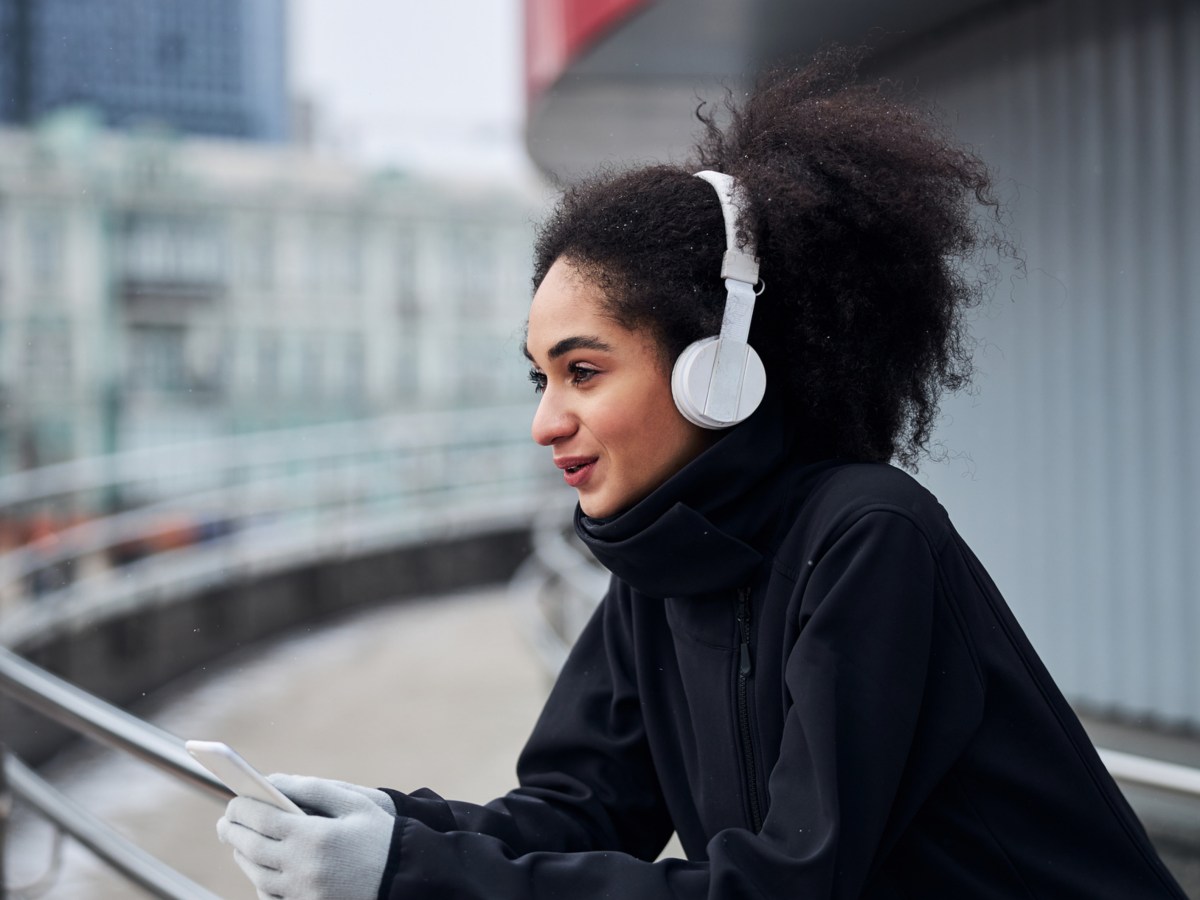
719 381
739 262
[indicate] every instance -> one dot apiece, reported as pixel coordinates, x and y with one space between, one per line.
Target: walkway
438 692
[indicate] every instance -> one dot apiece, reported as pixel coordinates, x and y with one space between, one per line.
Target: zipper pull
743 620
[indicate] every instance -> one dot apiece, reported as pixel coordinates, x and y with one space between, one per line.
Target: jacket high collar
704 529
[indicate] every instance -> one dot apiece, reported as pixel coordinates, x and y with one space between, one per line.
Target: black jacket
804 671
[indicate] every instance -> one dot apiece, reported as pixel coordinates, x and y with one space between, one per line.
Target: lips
576 469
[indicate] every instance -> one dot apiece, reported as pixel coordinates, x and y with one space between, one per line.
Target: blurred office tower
1071 470
210 67
155 290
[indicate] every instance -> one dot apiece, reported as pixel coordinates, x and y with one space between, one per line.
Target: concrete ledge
129 656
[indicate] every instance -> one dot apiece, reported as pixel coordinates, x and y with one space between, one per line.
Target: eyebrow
566 345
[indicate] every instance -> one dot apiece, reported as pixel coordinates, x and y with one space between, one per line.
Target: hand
338 852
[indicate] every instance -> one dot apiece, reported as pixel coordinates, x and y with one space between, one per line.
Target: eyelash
579 375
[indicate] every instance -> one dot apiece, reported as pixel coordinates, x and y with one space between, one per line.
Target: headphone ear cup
692 377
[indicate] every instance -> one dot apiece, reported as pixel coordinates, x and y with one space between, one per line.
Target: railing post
5 811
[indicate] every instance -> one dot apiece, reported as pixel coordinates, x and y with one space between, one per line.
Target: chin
591 509
600 507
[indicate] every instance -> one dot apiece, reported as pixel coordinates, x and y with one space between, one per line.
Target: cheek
654 436
628 414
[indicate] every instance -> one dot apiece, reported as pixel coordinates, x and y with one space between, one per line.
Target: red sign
557 31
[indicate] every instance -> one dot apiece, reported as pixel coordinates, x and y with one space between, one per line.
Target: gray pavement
439 693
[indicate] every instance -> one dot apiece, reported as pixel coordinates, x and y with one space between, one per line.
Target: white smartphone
238 775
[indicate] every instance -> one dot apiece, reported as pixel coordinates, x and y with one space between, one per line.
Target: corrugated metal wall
1072 469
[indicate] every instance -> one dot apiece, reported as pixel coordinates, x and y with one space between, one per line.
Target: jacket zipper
743 706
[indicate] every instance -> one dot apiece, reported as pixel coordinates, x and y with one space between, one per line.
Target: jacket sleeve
856 677
586 777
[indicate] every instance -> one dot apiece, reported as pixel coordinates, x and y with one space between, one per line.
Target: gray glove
338 852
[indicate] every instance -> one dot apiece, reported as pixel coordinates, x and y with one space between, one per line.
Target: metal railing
139 867
150 526
88 715
159 523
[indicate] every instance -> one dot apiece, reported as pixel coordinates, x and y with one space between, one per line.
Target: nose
551 422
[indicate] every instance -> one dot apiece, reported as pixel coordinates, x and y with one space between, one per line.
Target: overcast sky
414 83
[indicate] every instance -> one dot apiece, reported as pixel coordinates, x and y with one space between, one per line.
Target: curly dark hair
866 214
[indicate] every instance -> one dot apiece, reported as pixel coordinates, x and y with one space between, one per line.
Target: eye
538 380
581 374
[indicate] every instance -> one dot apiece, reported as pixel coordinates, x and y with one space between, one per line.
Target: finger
320 795
271 882
267 820
258 875
265 853
232 833
291 785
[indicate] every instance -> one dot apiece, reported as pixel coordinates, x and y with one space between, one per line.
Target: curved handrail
262 448
1153 773
558 588
261 502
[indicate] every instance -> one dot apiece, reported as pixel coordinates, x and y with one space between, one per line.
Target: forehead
568 309
566 303
566 292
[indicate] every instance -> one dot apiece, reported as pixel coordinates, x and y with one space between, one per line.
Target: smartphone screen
238 775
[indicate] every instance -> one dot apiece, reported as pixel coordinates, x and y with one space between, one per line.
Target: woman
799 667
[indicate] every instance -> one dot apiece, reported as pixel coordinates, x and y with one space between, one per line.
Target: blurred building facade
1069 468
210 67
155 290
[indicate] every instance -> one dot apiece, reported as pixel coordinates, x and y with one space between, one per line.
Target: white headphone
719 381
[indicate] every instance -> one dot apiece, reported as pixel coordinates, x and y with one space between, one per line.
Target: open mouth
577 469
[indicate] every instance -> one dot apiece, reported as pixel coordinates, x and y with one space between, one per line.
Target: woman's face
606 409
